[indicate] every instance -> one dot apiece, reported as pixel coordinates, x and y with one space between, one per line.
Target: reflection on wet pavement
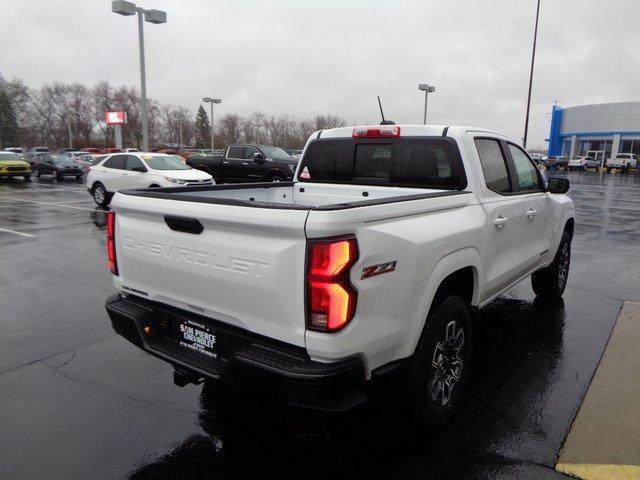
102 409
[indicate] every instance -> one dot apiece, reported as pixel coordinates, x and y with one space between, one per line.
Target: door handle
245 164
500 221
531 213
225 163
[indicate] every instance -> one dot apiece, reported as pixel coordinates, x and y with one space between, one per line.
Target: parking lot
81 402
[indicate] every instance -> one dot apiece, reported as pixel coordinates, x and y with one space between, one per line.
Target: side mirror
558 185
139 169
258 158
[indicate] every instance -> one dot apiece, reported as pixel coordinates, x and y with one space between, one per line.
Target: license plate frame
197 337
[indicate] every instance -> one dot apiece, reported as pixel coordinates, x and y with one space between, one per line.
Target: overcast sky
305 57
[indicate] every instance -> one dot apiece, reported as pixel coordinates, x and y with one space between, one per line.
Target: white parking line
46 203
16 233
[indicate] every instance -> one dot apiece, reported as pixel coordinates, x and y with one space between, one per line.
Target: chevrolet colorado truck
373 261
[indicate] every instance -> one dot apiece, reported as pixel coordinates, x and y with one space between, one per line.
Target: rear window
403 162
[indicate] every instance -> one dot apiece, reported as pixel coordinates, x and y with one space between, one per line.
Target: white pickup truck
623 161
374 260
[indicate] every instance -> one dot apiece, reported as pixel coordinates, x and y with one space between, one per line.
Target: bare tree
229 129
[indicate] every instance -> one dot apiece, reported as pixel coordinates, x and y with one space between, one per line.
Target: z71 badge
378 269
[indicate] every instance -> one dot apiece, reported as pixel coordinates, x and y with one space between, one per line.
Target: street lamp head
155 16
217 100
122 7
427 88
207 99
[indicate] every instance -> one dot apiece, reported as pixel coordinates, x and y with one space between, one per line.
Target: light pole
211 101
69 113
533 60
125 8
427 90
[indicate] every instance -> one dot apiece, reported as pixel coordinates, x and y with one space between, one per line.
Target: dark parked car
557 162
33 157
58 166
247 163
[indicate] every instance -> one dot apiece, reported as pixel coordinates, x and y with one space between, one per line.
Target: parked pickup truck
373 261
247 163
623 161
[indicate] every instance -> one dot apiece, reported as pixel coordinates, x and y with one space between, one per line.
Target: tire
78 177
100 195
27 178
584 169
441 364
551 281
608 170
276 178
37 172
627 169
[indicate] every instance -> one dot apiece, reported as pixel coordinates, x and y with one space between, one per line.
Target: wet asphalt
77 401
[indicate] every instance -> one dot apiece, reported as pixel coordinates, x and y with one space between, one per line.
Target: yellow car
12 166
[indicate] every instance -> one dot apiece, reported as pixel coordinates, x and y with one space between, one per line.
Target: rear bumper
247 362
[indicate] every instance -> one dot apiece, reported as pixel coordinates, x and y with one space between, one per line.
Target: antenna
384 122
381 112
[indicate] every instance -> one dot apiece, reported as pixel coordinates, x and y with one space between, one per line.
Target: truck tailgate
245 268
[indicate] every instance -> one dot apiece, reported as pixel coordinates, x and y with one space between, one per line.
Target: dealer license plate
198 337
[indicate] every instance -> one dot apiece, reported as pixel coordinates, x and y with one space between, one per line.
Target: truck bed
293 195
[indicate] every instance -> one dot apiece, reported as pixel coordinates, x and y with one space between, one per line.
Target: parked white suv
121 171
583 163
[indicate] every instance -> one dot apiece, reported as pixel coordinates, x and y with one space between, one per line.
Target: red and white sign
116 118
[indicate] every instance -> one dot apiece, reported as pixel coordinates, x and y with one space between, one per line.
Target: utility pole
533 59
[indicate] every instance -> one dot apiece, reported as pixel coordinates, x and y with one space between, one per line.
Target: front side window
250 151
493 164
133 162
526 171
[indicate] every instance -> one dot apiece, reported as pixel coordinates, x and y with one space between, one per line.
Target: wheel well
154 185
569 227
460 283
94 184
203 168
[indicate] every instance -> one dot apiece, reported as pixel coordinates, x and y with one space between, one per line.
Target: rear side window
404 162
236 152
493 164
117 161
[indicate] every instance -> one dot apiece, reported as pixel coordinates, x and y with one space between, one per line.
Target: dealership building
610 128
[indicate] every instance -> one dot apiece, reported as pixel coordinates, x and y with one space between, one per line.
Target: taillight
331 299
383 131
111 242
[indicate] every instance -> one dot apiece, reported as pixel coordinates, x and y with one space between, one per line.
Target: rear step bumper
246 361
